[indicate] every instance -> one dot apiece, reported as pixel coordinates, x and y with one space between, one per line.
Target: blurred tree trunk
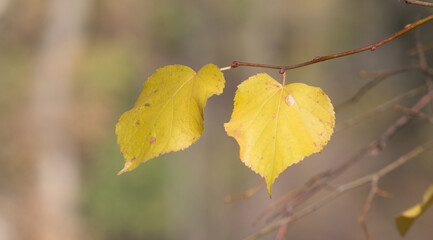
57 167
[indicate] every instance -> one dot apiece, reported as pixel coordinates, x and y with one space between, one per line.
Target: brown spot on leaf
152 140
137 122
237 134
147 104
133 160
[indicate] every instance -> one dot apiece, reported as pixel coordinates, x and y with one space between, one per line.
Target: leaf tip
269 188
121 172
403 225
126 168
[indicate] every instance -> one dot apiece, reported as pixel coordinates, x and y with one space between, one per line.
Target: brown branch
290 197
420 3
282 231
318 59
419 115
414 51
371 84
379 109
342 189
367 206
286 197
423 62
248 193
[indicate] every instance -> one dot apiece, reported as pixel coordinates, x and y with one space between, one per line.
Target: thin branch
282 231
414 51
248 193
342 189
371 84
286 197
419 115
423 62
420 3
367 206
379 109
290 195
318 59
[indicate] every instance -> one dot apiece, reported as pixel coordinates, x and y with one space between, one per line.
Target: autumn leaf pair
274 125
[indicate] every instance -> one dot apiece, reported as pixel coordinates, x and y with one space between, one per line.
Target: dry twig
371 84
318 59
379 109
419 115
286 221
420 3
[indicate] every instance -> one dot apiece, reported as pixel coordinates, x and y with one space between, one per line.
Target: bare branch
318 59
419 115
371 84
423 62
420 3
379 109
342 189
248 193
367 205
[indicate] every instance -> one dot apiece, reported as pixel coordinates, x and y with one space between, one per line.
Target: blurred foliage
127 206
106 70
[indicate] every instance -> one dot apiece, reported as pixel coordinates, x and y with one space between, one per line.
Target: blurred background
69 69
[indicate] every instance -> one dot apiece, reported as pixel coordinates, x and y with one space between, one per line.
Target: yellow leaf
278 126
405 220
168 115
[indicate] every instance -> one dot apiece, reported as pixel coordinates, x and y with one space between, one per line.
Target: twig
371 84
282 231
373 112
419 115
367 206
423 62
420 3
248 193
414 51
314 181
371 47
342 189
286 197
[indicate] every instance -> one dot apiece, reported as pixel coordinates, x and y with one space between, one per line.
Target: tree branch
419 115
371 84
342 189
420 3
378 109
423 62
318 59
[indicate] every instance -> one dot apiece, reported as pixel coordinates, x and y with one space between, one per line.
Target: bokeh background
69 69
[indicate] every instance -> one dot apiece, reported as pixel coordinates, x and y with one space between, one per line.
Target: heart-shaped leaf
277 126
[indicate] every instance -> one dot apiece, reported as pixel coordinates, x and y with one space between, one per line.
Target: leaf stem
284 78
225 68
